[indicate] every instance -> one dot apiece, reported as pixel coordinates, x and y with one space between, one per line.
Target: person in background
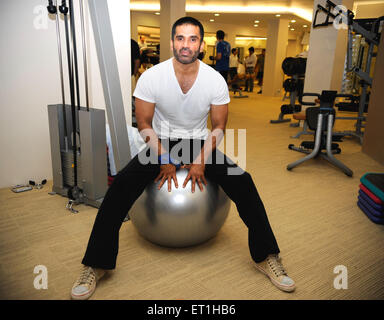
135 58
260 70
250 64
233 63
142 43
202 53
223 51
135 65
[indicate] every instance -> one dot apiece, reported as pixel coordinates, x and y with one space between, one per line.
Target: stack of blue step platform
371 196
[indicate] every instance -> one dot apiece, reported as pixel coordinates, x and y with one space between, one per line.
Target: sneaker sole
277 284
83 296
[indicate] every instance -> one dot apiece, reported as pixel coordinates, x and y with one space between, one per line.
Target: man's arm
144 115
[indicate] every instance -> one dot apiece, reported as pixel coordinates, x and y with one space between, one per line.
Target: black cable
73 31
64 10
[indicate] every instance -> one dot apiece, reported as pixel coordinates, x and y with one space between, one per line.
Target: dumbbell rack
290 108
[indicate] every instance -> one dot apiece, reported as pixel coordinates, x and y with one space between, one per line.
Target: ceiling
245 12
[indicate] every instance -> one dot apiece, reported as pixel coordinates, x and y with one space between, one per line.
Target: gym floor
312 210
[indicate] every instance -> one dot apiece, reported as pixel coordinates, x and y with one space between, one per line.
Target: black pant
131 181
232 72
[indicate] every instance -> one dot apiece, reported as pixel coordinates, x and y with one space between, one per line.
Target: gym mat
369 215
375 183
376 213
370 194
372 203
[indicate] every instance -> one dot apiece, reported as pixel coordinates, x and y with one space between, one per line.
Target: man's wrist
165 158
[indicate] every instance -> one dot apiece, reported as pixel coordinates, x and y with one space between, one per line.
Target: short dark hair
220 34
251 49
188 20
234 50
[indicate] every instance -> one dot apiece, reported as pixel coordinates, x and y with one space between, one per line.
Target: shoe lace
276 266
87 276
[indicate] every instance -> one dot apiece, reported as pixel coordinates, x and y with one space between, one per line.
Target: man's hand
167 172
196 174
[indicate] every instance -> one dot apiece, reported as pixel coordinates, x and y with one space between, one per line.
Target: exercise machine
321 119
78 146
370 31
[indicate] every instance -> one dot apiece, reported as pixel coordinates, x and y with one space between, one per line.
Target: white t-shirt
250 61
179 115
233 61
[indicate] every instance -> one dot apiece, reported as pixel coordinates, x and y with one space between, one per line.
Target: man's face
186 45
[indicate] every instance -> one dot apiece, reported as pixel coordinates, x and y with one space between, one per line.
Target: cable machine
77 133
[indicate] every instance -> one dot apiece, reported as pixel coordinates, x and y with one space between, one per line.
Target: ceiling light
292 29
153 6
257 21
304 26
250 38
157 13
212 20
293 21
217 14
278 15
255 25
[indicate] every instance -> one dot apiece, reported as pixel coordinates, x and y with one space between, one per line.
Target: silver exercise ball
180 218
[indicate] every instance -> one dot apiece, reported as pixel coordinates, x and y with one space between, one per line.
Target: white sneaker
85 285
274 270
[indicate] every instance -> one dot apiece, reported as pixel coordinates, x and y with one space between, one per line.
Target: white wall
30 81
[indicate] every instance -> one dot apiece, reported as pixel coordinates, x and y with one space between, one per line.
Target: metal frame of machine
78 145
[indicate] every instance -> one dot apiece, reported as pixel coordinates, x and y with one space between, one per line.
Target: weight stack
92 171
68 172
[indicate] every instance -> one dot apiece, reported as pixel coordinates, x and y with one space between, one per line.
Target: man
135 62
135 58
223 50
260 70
233 63
250 64
164 120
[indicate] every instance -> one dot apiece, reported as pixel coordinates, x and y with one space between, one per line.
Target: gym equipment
371 196
320 119
180 218
80 166
301 116
52 9
370 201
369 29
375 183
84 54
295 68
38 185
21 188
292 66
371 214
375 211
